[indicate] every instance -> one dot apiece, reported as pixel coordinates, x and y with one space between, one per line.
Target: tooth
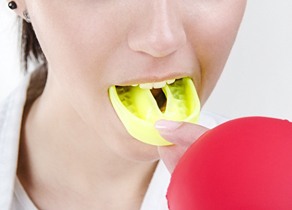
159 84
146 86
134 85
170 81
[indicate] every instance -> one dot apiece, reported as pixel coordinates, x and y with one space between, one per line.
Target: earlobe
26 16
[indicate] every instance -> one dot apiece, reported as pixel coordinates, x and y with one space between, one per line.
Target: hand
182 135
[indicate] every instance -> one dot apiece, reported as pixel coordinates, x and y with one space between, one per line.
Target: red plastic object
244 164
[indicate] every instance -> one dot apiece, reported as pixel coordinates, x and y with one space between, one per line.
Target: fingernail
165 125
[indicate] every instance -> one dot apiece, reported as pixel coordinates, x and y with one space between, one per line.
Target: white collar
10 126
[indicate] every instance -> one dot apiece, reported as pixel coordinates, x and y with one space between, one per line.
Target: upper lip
151 79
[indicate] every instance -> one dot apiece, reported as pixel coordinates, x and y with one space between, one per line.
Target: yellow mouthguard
138 109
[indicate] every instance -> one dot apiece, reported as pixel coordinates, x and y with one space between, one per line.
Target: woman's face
91 45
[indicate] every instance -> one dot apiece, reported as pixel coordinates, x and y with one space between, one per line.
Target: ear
21 8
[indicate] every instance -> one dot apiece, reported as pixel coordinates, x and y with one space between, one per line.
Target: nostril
159 44
165 43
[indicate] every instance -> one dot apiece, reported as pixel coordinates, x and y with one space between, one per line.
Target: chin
136 150
126 146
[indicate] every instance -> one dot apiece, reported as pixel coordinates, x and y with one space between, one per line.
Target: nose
160 32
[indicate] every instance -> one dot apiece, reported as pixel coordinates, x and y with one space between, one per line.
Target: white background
9 58
257 79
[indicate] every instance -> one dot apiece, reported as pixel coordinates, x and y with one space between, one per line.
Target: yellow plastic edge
145 131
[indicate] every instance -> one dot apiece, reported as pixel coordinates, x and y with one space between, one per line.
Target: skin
75 152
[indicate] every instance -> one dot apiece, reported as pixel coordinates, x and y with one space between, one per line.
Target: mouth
140 106
156 89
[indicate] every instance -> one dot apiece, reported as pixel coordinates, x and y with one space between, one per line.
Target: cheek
212 38
76 49
77 37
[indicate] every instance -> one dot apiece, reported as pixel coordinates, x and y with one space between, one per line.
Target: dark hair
30 47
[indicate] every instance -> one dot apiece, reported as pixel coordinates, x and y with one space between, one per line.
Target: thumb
181 133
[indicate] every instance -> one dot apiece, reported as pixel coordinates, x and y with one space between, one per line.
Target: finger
180 133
